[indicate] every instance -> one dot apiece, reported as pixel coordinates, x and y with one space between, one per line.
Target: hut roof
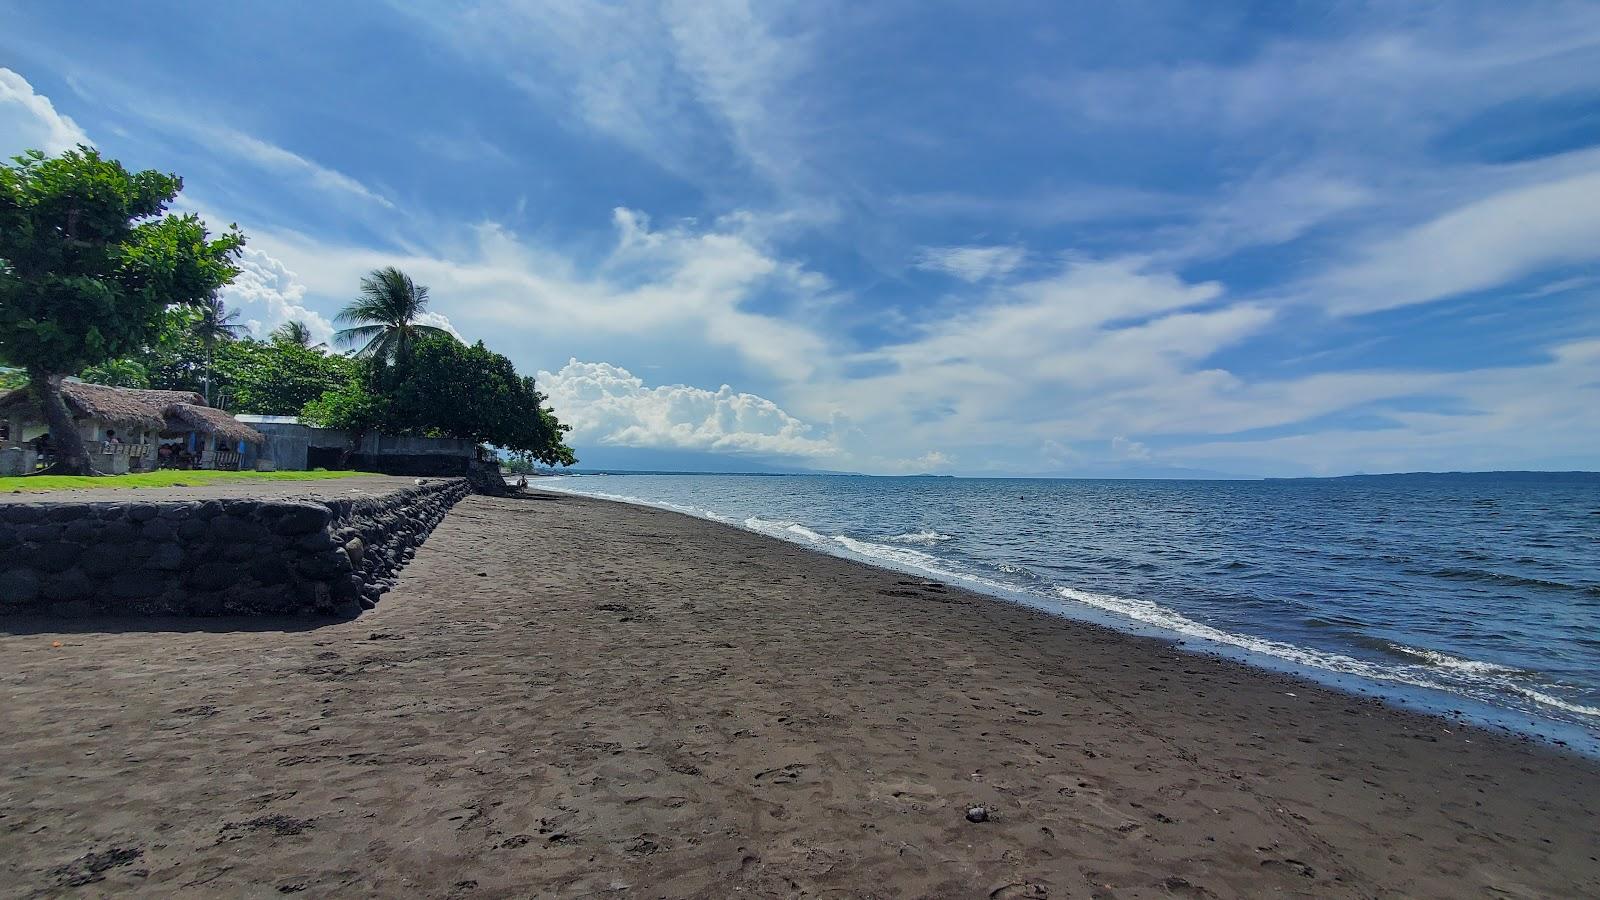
122 406
187 416
129 407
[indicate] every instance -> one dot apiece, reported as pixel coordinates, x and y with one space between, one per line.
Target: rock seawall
214 557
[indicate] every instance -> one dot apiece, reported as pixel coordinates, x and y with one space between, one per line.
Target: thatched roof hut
189 417
160 411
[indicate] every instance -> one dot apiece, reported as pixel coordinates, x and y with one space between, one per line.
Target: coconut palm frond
293 332
360 334
384 316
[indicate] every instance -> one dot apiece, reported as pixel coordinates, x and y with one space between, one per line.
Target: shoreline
566 696
1436 702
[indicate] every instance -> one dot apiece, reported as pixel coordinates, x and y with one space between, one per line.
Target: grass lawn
157 479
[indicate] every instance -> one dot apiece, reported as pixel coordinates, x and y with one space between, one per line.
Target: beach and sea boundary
566 696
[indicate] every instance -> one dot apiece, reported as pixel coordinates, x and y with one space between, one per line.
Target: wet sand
568 697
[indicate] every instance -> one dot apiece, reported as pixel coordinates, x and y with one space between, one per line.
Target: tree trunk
72 456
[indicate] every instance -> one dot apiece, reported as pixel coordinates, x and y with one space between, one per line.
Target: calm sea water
1477 594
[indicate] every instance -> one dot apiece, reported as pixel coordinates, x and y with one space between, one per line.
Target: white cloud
701 88
1506 417
29 121
1389 79
1126 449
440 320
680 284
271 156
970 264
1479 245
268 295
607 404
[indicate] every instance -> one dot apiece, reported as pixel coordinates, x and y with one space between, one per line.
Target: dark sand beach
568 697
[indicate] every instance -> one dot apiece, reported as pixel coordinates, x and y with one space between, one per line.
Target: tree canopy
453 390
89 262
246 375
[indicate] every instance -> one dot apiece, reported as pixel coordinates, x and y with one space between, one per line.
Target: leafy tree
383 319
276 378
89 262
124 373
450 390
175 358
472 393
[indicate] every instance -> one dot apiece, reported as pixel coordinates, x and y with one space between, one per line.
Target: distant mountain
1503 476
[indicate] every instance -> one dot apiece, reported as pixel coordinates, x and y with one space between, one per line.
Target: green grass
157 479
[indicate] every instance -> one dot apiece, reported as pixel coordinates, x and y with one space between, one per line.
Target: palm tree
215 324
383 320
294 332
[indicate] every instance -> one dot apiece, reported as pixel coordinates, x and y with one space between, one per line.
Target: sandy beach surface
568 697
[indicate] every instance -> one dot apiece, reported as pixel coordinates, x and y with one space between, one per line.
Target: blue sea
1476 594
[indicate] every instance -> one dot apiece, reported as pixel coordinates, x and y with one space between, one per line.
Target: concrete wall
288 443
217 557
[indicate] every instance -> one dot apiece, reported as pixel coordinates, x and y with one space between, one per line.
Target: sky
977 238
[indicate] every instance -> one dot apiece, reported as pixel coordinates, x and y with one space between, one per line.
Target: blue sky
976 238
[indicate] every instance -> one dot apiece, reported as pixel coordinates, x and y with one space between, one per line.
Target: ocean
1475 595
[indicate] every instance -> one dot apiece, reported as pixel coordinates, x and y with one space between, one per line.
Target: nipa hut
132 430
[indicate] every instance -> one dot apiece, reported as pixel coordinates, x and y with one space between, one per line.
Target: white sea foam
1456 663
1445 672
686 509
1557 702
927 537
919 561
785 530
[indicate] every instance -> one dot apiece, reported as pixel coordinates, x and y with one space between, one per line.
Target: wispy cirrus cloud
971 264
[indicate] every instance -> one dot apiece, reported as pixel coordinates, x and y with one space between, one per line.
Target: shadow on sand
106 624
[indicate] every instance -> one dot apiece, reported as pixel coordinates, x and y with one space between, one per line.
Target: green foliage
277 379
124 373
175 357
349 406
383 319
470 392
293 332
447 389
246 376
89 262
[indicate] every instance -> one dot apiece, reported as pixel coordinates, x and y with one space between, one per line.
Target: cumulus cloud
267 294
1126 449
440 320
607 404
971 264
29 121
692 285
